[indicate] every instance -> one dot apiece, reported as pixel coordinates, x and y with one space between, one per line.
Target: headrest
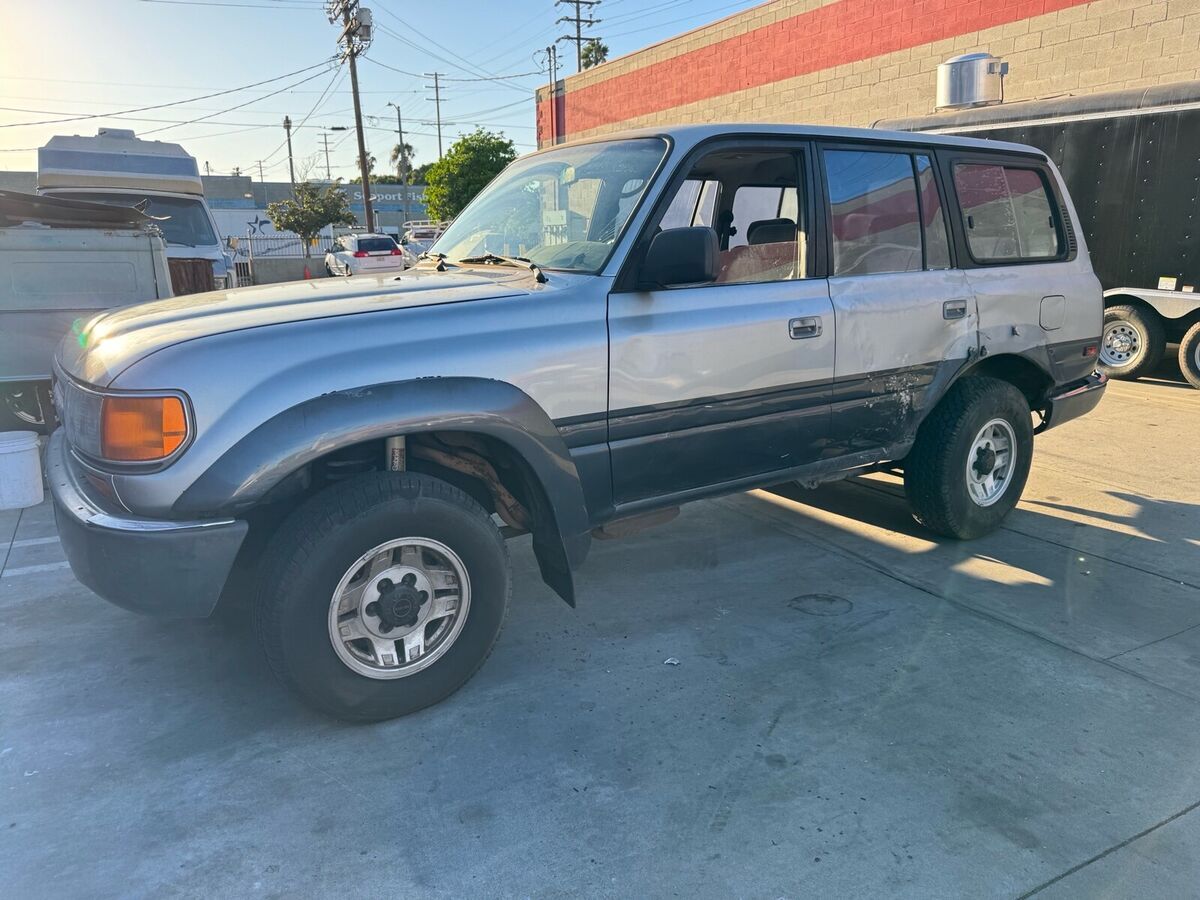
771 231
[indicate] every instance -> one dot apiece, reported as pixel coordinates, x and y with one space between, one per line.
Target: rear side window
875 214
1007 213
937 243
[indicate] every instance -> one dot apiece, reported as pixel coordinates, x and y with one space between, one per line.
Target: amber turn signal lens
141 429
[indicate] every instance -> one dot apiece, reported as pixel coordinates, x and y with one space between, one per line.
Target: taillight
141 429
361 254
396 251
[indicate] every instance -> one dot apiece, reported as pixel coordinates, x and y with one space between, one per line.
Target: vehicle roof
370 234
690 135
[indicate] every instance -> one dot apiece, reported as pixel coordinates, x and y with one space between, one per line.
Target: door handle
954 309
806 327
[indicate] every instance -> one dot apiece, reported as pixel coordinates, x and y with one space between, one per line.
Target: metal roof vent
973 79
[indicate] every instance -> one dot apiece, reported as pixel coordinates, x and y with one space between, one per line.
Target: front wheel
1189 355
971 458
382 595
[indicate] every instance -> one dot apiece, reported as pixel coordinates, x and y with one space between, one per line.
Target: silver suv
610 329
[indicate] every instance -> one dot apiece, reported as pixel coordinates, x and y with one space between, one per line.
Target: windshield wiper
518 261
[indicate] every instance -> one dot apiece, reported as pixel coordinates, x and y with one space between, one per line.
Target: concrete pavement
858 709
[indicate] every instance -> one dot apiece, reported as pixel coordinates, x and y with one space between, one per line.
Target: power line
232 108
122 112
278 6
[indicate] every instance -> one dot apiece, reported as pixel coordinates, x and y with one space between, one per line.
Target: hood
113 341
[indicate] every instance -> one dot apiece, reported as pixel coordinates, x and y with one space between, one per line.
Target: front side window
562 209
875 213
751 199
1007 213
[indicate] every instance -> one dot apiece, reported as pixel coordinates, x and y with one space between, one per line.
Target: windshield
187 225
563 209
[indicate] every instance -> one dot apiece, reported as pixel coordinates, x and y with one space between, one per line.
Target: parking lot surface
857 709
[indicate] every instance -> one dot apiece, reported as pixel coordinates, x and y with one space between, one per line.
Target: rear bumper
151 566
1070 401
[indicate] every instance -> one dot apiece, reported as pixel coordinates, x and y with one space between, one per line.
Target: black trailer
1131 160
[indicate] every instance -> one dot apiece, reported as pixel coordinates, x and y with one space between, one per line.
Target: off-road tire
935 471
1189 355
315 546
1153 335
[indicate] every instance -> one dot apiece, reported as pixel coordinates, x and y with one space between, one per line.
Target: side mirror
681 256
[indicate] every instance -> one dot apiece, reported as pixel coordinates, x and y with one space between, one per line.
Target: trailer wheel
1133 341
1189 355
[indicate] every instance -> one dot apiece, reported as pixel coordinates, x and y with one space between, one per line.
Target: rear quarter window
1007 213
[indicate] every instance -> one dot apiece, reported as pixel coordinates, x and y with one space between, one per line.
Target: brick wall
851 62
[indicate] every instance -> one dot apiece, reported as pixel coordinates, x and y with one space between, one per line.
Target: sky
66 58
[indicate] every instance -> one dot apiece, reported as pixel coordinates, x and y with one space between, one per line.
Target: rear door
730 380
906 318
1035 296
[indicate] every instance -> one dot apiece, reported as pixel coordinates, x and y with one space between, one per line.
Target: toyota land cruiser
610 329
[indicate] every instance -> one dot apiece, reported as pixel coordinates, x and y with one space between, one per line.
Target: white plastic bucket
20 470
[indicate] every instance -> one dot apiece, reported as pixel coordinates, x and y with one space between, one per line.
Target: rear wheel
971 458
1132 343
382 595
1189 355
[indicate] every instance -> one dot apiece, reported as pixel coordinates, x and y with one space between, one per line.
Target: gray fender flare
278 447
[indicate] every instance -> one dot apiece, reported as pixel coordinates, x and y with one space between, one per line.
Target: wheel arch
291 441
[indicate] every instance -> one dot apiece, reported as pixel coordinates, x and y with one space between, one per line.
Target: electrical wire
122 112
232 108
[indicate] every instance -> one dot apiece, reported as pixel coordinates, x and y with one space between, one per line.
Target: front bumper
1073 400
152 566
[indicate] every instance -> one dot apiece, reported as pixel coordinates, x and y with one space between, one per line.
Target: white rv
160 178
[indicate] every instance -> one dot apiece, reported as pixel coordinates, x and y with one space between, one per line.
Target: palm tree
401 157
594 53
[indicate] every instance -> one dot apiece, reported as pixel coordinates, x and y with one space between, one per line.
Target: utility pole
579 22
437 101
552 59
325 142
354 40
287 126
403 165
325 132
260 174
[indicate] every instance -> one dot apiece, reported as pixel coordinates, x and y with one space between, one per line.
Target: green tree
309 209
420 174
401 157
470 163
594 52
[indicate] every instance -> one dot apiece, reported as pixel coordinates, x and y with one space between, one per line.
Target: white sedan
357 254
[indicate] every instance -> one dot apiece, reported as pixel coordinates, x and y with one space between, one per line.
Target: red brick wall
841 32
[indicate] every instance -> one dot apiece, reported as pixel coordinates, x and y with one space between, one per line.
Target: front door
906 319
714 383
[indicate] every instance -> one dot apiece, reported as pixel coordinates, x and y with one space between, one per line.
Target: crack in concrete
1113 849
